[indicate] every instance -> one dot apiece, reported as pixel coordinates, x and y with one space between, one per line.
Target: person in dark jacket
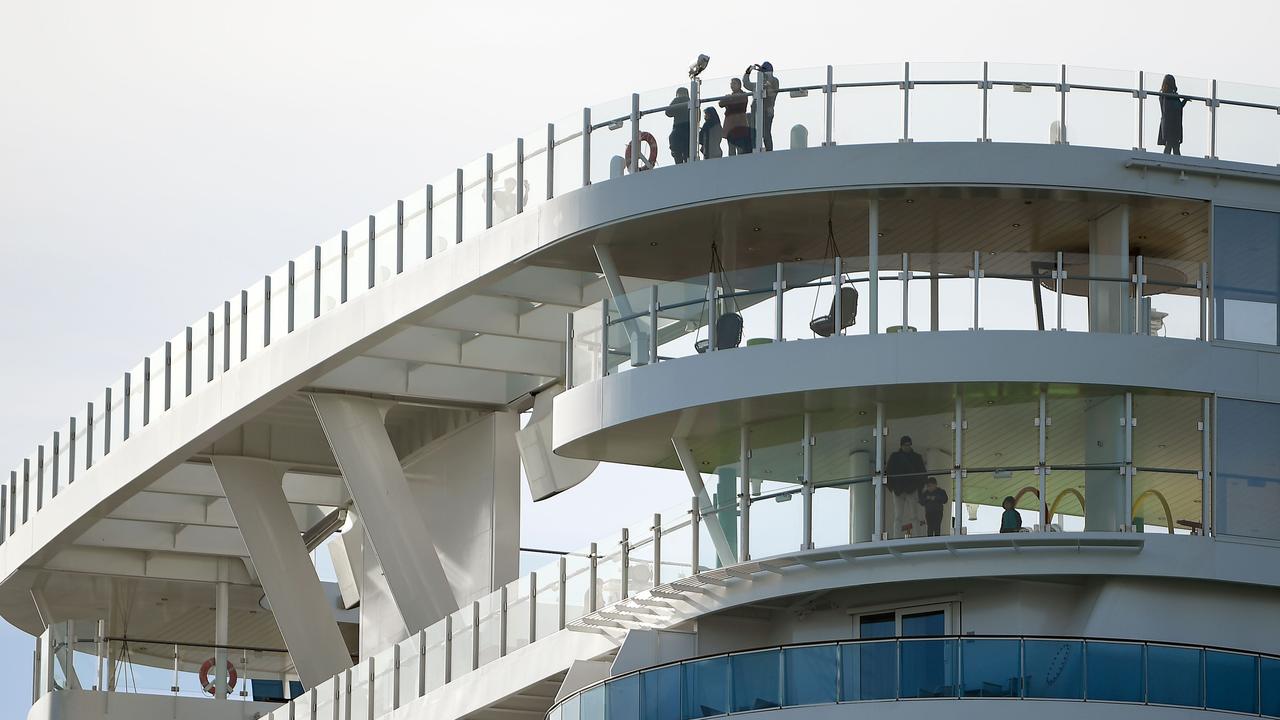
710 134
905 472
769 94
1171 104
934 499
1010 521
678 111
736 130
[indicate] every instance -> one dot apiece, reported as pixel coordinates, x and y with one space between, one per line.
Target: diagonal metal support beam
639 340
724 551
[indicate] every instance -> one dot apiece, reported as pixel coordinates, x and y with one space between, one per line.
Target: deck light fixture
698 66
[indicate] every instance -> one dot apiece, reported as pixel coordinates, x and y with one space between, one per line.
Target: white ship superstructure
976 393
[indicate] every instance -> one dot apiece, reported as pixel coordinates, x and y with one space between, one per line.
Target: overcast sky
156 157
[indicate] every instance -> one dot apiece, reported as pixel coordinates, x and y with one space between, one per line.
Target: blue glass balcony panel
809 675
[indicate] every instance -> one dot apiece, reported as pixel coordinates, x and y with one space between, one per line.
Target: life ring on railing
652 160
204 677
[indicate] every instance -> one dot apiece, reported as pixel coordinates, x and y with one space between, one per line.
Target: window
1247 490
1246 274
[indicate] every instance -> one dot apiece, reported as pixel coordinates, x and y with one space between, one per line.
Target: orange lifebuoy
204 677
653 152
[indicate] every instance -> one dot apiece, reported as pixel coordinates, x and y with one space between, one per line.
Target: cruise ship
971 370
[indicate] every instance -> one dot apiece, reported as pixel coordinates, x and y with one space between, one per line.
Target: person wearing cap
769 90
906 473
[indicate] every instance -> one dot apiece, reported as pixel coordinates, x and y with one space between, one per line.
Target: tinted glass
1269 672
809 675
927 668
1231 681
1053 669
876 626
1248 482
706 688
1173 676
1246 274
592 703
930 624
990 668
569 709
869 671
756 679
1115 671
661 691
624 698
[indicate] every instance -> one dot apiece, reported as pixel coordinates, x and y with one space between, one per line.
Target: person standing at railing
1171 104
1010 520
678 111
709 135
906 474
934 499
736 129
769 90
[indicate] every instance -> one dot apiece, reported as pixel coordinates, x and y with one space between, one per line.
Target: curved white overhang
567 226
631 416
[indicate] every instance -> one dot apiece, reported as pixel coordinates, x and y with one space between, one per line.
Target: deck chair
728 333
824 326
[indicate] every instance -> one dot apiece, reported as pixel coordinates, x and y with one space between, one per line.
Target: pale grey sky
156 157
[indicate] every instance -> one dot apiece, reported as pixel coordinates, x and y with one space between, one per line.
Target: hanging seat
824 326
728 333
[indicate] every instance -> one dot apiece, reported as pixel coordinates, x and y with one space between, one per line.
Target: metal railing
960 667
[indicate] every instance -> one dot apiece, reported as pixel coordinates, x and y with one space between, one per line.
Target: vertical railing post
1213 120
372 252
779 286
519 175
744 493
757 112
399 242
266 311
656 529
829 92
562 610
695 106
653 323
4 512
1042 469
568 350
226 329
128 397
146 398
174 688
13 501
342 269
488 190
873 265
291 304
422 664
905 276
1063 89
633 163
1128 472
604 337
625 551
1141 96
906 102
210 325
586 147
976 274
457 205
88 436
106 422
244 314
395 678
57 457
316 275
836 301
99 643
1206 470
372 677
39 477
168 374
1203 286
593 593
551 160
429 214
878 478
533 606
1142 319
713 311
806 487
986 105
503 619
957 463
1059 275
26 489
188 342
448 648
695 519
71 451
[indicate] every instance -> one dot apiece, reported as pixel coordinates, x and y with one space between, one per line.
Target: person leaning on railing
736 129
769 89
678 111
1171 104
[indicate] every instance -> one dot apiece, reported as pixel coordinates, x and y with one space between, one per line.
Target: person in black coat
905 473
1171 104
678 111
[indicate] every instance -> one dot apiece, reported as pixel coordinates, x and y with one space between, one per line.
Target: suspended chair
825 325
728 325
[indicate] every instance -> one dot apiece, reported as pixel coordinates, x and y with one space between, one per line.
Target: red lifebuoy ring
204 677
653 152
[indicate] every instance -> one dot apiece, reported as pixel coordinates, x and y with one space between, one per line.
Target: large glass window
1246 274
1248 484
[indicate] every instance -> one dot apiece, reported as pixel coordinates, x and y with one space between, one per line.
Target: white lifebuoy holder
652 160
204 677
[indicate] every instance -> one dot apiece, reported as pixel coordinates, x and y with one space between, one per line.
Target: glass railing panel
100 438
1065 497
1167 502
587 337
490 641
869 108
1013 291
577 588
384 247
706 688
777 512
444 213
1001 426
800 109
731 115
1174 675
611 131
756 680
330 279
358 259
640 561
199 361
660 693
567 164
417 241
304 300
435 659
843 462
506 197
569 709
630 330
1098 116
946 102
927 668
990 668
462 650
518 614
1115 671
1023 104
278 316
547 620
1188 103
535 166
1248 134
360 692
718 535
623 698
256 321
384 667
869 671
1171 304
985 493
1269 680
410 667
302 705
677 545
840 511
682 316
474 176
1231 681
810 675
592 703
1053 669
324 705
809 300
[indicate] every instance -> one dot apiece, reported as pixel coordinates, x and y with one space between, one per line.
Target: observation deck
1009 275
